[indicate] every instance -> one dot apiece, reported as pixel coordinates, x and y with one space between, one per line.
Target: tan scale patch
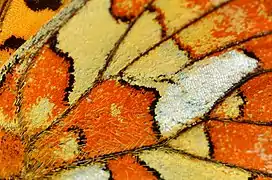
155 62
145 32
40 112
115 110
178 13
173 166
68 148
193 141
7 123
89 44
230 107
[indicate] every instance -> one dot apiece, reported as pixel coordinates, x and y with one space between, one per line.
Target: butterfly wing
74 107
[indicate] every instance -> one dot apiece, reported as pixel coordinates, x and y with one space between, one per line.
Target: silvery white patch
200 86
93 172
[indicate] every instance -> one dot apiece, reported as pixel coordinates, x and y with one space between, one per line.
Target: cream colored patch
230 107
88 37
164 60
39 113
145 32
90 172
193 141
177 13
68 148
173 166
115 110
8 124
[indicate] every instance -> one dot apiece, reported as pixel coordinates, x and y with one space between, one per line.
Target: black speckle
37 5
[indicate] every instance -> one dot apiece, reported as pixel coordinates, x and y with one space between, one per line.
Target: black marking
250 54
167 80
12 43
209 139
241 106
38 5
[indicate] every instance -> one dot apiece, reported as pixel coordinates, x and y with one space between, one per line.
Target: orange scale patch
11 155
127 10
44 90
204 4
8 93
238 20
258 97
262 48
21 21
263 178
127 167
4 55
113 117
245 145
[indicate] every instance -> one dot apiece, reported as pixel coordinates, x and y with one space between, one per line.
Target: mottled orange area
263 178
245 145
127 167
45 81
127 9
258 97
203 4
23 22
238 20
11 155
4 55
8 93
113 117
262 48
